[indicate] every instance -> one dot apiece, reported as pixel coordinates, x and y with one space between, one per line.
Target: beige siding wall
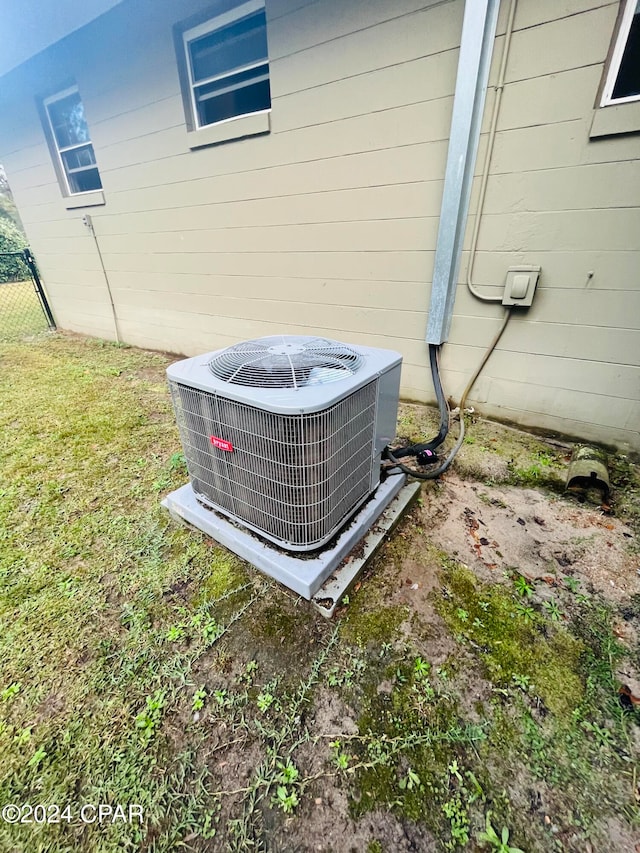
328 225
571 204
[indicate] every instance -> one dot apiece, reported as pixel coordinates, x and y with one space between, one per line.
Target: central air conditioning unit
284 435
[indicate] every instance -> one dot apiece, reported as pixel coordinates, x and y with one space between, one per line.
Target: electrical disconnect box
520 285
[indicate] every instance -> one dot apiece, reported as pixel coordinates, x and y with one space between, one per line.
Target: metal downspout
476 49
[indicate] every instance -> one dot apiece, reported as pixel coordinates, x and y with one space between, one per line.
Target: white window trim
239 127
72 90
616 59
211 26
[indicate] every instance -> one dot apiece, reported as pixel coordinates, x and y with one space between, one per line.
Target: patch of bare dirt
325 826
332 718
151 374
497 529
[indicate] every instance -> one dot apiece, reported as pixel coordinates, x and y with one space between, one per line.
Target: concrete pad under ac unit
306 573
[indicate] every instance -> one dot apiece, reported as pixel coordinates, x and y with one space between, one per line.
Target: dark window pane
68 121
79 157
83 182
249 99
241 43
628 80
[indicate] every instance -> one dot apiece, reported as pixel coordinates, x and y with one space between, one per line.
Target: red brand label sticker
220 443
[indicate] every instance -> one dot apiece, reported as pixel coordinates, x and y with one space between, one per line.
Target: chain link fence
24 309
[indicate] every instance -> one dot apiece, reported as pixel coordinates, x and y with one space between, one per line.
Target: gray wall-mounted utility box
520 285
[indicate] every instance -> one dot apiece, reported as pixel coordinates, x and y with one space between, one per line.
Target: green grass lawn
140 664
87 564
20 311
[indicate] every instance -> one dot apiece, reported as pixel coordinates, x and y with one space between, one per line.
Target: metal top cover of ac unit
285 374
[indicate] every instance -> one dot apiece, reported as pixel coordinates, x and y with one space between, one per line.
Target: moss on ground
415 726
511 644
284 632
550 721
416 423
227 572
364 625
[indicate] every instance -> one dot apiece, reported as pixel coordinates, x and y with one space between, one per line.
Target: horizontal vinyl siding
612 270
391 266
328 224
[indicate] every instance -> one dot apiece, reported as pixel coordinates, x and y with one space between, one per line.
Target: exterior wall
570 203
328 224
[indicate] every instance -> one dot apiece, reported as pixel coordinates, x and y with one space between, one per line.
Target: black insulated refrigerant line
425 453
426 450
435 472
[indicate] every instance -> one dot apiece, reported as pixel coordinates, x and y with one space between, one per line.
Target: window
623 79
228 65
72 143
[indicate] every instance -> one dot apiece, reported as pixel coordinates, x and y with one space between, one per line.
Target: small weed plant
197 703
523 587
148 720
496 843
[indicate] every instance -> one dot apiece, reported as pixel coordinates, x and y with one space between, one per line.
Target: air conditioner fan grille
285 361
